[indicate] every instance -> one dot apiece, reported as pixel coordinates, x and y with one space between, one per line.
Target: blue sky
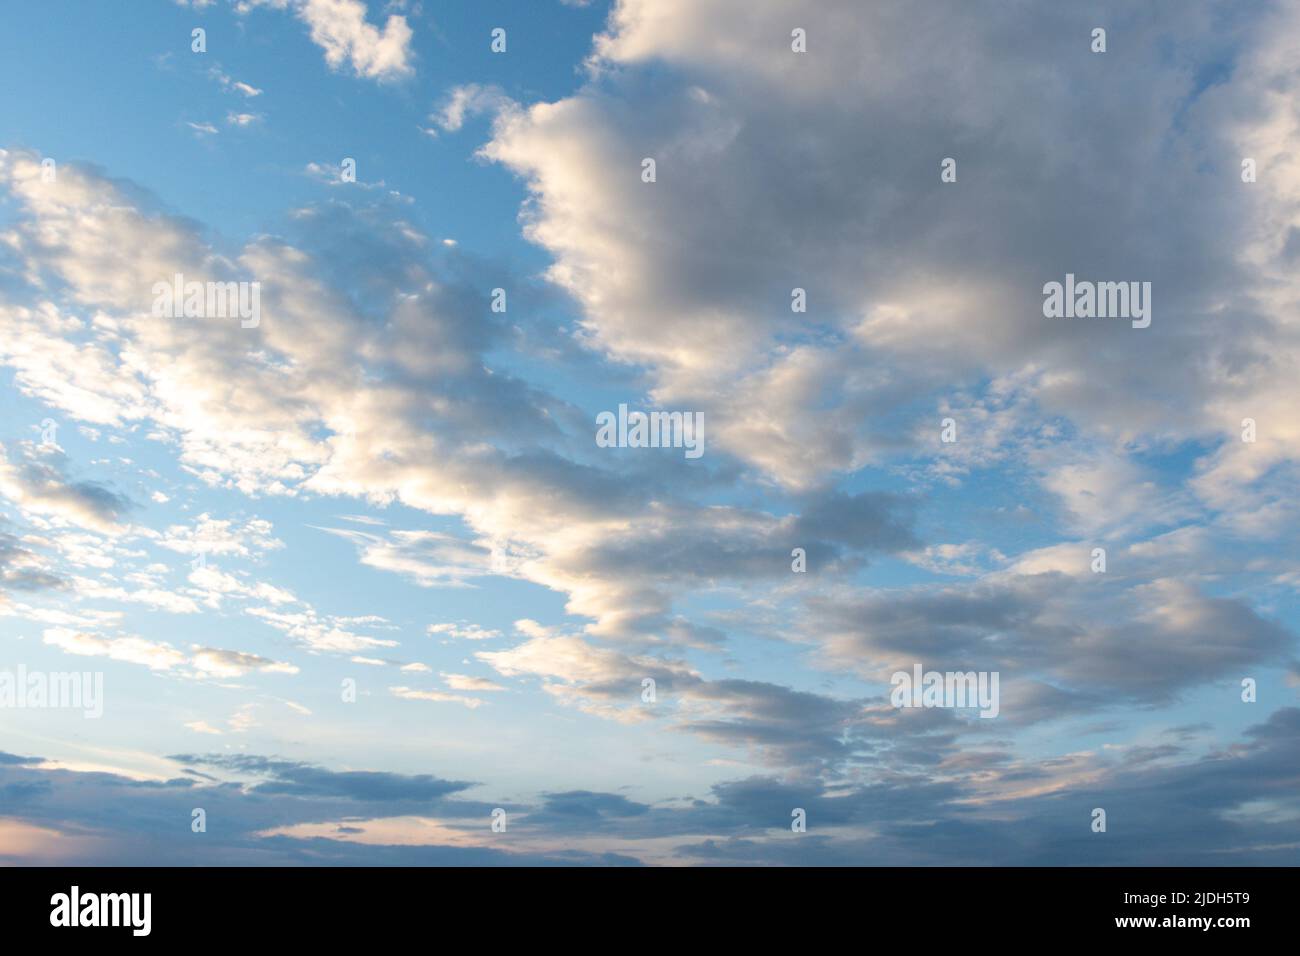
387 481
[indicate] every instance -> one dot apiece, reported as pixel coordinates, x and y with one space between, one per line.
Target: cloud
429 558
778 724
221 536
231 85
1202 810
22 569
939 281
222 663
465 682
202 727
38 484
436 696
463 102
1156 639
296 779
161 656
589 805
381 375
463 631
272 812
400 409
155 655
12 759
319 632
340 28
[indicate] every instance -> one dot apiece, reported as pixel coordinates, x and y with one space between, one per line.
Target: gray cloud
1235 804
1154 639
292 778
37 481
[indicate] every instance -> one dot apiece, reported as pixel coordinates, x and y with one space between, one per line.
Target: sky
357 579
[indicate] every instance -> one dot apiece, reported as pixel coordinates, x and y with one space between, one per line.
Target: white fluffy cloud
342 29
820 171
